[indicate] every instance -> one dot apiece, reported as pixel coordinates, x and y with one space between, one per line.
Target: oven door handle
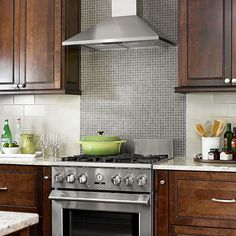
59 195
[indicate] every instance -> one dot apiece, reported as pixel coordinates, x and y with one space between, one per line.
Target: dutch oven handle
100 132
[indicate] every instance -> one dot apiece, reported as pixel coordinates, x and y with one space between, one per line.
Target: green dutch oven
101 145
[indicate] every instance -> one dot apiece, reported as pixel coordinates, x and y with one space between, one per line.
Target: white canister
209 143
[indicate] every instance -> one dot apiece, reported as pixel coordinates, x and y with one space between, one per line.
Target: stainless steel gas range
101 196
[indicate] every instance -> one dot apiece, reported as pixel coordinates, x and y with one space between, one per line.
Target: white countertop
37 161
188 164
11 222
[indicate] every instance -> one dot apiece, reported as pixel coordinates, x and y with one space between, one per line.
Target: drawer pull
3 189
224 200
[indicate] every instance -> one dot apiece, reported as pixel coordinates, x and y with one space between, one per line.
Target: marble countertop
37 161
13 221
188 164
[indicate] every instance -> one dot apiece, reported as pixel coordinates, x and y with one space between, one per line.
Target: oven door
77 213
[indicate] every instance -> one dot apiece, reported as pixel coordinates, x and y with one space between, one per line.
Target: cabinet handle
227 81
162 182
3 189
234 81
46 177
21 85
224 200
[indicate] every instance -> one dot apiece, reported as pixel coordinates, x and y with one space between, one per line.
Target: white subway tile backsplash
34 110
45 113
6 99
68 99
13 110
223 107
46 99
207 110
56 110
224 98
200 98
39 123
24 99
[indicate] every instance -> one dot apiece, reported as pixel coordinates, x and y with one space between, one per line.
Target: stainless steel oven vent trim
143 199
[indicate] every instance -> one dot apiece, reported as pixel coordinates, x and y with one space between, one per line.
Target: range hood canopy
124 30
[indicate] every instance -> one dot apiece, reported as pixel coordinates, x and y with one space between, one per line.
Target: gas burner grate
121 158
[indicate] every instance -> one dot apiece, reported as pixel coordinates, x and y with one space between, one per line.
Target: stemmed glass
43 142
55 144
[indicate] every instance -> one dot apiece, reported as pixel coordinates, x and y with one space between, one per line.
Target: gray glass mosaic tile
131 93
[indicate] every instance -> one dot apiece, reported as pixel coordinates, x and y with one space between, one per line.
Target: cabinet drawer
200 231
203 199
18 187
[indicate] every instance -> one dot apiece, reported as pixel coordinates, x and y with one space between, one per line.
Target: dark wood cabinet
32 59
177 230
9 63
207 49
195 203
26 189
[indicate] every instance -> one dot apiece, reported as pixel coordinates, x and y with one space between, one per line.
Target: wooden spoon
200 130
214 127
220 128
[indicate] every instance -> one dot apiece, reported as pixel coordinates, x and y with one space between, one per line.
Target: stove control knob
59 177
82 179
129 180
99 177
70 178
116 179
142 181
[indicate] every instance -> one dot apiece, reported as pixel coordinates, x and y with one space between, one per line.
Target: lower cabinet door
204 199
199 231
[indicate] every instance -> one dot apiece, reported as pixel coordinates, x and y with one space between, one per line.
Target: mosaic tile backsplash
131 93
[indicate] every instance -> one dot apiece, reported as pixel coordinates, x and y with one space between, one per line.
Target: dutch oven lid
100 138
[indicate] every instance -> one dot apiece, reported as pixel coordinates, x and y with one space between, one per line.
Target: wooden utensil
220 128
214 127
200 130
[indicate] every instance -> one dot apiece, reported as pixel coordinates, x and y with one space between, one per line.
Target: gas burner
122 158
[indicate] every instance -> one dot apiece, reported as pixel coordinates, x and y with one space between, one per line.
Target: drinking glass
43 142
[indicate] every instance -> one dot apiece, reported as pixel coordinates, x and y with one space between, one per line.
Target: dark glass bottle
233 143
228 136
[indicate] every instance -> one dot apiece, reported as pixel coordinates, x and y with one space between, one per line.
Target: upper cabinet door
202 55
234 40
206 48
9 44
40 44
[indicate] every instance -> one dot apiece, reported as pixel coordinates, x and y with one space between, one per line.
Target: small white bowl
10 150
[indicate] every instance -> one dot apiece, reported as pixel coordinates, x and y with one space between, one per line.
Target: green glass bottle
228 136
6 134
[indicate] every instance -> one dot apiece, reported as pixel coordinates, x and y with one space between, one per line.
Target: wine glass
43 142
55 144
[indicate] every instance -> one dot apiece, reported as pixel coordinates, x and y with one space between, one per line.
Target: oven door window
97 223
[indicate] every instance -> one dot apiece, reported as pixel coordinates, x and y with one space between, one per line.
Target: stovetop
121 158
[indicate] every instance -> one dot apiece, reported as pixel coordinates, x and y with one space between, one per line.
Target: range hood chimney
124 30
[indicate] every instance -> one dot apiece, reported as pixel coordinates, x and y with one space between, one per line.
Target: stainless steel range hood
124 30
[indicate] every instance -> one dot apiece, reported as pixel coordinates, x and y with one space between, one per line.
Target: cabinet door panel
41 44
200 231
161 203
192 197
7 41
234 39
205 42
